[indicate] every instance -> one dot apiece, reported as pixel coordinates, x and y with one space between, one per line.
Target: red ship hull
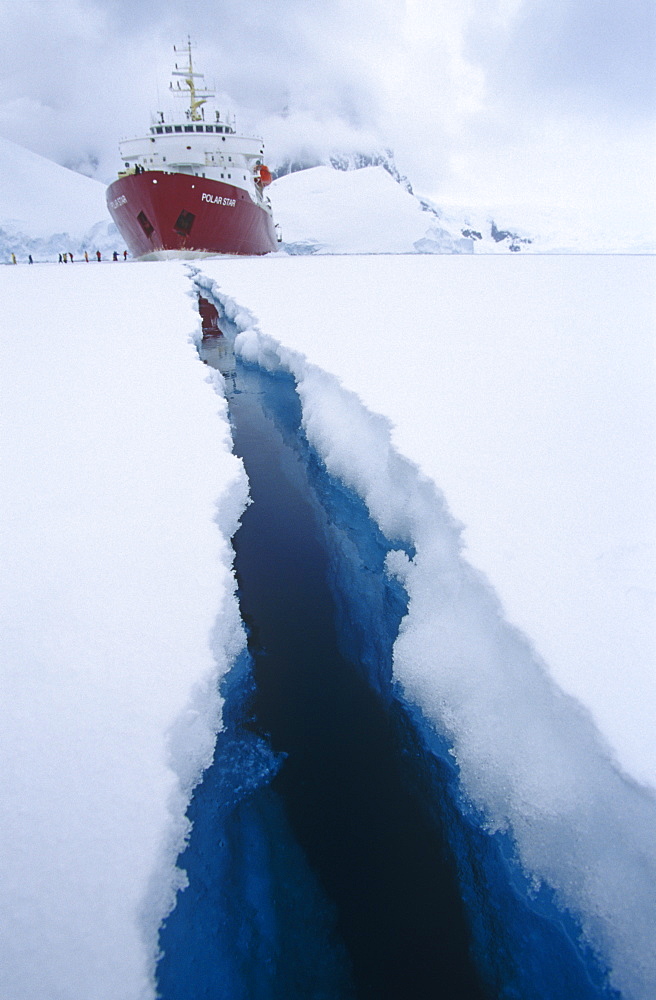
160 214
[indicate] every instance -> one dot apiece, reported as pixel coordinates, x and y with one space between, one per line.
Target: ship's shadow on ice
332 854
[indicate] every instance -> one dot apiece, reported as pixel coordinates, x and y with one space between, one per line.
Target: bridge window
178 128
159 129
199 128
189 128
168 128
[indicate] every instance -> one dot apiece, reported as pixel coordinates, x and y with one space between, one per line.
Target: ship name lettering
121 200
216 199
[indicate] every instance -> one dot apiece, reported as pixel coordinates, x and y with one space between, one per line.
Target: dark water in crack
377 852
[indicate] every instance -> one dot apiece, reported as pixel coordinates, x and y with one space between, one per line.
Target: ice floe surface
118 616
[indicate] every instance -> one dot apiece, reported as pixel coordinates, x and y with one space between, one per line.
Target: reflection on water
216 350
209 317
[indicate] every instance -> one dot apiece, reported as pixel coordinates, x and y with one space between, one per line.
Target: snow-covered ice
115 568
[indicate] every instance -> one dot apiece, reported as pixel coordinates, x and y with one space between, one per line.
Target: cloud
591 57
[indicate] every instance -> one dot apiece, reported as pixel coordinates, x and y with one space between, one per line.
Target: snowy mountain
46 209
323 210
362 204
458 230
343 160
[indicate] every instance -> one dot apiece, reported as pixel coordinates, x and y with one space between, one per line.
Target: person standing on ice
13 258
125 255
98 255
86 256
29 259
115 255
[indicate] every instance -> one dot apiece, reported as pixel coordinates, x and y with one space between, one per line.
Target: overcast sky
483 101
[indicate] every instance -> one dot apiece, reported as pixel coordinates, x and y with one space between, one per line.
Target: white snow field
115 571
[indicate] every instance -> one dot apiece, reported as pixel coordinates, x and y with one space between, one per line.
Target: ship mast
196 97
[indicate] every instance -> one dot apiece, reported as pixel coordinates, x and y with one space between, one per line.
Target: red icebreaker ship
192 186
